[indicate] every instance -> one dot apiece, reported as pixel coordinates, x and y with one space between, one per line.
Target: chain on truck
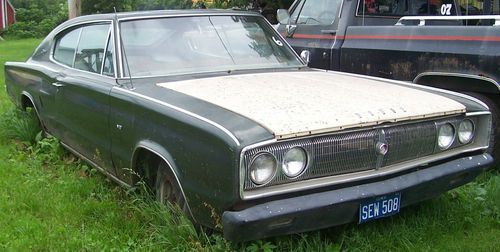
437 43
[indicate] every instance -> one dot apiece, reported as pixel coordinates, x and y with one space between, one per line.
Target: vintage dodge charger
216 113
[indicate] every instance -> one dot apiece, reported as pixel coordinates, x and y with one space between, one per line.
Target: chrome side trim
175 175
478 113
470 76
413 85
218 126
422 19
22 64
102 170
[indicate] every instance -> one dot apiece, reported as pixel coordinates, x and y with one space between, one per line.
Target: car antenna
131 87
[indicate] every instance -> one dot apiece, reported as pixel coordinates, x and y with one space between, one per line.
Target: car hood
291 104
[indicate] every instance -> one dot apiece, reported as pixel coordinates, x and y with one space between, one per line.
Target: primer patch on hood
292 104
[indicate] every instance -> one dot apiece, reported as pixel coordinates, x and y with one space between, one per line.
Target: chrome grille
351 152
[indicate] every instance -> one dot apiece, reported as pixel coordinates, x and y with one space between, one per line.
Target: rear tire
494 148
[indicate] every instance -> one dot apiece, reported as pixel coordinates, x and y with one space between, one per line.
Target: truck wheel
167 190
494 148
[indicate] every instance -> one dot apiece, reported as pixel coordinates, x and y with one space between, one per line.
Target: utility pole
74 8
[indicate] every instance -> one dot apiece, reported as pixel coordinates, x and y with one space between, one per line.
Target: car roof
157 13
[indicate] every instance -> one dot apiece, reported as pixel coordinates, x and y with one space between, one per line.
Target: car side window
398 8
316 12
90 53
108 66
65 48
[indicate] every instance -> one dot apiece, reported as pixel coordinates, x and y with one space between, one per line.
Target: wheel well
26 102
145 165
475 84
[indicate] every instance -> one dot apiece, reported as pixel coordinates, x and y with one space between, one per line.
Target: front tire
167 189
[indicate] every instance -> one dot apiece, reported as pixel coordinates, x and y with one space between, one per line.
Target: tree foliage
36 18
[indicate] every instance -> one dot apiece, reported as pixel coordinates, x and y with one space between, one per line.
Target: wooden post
74 8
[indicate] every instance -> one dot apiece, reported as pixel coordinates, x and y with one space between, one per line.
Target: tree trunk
74 8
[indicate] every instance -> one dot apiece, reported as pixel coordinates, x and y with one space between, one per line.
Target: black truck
426 42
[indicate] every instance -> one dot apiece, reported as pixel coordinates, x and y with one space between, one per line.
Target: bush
35 22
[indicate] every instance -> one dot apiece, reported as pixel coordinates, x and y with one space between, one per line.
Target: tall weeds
19 125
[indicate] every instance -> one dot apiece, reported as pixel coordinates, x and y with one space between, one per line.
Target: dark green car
216 113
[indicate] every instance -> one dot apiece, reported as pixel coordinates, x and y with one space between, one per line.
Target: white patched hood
291 104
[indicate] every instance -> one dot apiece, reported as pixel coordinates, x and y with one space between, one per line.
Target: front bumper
336 207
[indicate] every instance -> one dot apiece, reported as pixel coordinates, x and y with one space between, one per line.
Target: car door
312 26
82 96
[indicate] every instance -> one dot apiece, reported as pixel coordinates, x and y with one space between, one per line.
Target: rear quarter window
65 48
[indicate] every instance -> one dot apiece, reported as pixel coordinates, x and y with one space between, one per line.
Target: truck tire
494 148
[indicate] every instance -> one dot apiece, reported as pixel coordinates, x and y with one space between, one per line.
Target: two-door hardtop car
216 113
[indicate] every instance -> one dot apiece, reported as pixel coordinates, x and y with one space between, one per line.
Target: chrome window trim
120 51
181 110
106 48
352 177
76 48
51 56
167 15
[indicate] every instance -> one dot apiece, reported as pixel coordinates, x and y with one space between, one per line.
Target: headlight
446 136
294 162
465 131
262 168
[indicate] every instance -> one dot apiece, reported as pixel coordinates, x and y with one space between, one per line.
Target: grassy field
49 200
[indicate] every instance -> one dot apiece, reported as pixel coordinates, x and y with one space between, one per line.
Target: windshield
316 12
183 45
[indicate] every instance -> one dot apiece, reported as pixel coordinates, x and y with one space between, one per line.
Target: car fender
161 152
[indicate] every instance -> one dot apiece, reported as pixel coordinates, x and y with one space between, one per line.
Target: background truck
427 42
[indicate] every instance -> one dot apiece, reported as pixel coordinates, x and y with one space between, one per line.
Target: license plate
379 207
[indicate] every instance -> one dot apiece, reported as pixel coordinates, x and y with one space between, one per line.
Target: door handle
57 84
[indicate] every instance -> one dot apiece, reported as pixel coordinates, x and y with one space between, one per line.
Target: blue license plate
379 207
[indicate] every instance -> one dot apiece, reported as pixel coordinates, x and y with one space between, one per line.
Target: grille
351 152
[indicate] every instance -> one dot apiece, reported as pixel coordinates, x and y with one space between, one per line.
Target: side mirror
283 16
305 56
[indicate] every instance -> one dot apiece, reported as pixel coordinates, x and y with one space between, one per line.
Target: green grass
49 200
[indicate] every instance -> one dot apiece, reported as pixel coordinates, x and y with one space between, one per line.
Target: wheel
494 148
167 189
